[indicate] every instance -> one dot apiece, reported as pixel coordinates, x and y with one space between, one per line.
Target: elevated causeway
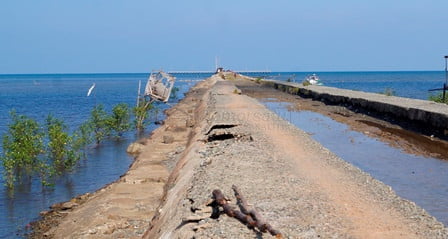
431 116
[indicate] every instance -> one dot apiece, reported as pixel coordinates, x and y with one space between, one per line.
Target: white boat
313 80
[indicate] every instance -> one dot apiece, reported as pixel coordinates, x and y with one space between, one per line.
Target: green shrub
438 98
141 113
306 83
22 145
99 123
293 90
60 148
82 137
174 93
388 92
281 87
119 120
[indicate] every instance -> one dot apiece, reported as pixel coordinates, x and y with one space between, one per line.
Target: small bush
439 98
82 138
118 122
141 113
388 92
99 123
293 90
306 83
21 147
60 148
174 93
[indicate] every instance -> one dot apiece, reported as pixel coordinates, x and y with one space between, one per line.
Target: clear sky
94 36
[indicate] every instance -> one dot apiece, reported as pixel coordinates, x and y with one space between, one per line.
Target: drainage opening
221 126
220 137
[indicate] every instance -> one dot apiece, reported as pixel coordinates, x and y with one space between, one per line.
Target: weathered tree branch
249 217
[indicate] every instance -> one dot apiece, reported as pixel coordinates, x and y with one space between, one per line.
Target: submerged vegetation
98 123
119 121
48 151
141 112
21 145
60 148
174 93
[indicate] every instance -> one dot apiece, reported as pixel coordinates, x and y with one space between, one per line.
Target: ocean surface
64 96
410 84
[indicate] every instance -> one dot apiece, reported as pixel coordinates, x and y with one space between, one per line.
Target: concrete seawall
430 117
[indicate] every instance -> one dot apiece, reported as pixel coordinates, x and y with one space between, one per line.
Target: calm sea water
410 84
64 96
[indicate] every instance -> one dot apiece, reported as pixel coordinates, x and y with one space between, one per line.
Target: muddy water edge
414 165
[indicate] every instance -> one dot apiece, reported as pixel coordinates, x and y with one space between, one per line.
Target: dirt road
301 188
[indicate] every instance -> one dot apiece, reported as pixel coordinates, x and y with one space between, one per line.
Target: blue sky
56 36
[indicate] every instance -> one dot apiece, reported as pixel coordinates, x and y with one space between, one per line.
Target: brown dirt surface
302 189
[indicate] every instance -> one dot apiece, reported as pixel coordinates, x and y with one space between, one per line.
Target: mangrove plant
99 123
141 112
119 120
60 148
22 145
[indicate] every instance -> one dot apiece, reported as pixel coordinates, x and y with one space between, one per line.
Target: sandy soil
224 138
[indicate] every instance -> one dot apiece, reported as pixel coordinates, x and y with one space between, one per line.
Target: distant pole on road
446 78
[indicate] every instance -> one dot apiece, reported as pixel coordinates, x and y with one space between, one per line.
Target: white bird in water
91 89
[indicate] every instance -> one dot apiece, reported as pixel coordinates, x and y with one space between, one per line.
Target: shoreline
199 156
125 206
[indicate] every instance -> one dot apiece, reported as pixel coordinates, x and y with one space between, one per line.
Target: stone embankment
430 117
124 208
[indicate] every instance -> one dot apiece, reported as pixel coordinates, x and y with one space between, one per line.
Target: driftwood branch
247 215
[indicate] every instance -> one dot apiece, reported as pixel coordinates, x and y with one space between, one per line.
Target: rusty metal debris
248 216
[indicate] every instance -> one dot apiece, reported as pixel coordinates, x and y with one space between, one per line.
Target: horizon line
207 72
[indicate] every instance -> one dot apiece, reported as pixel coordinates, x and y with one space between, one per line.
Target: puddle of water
419 179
